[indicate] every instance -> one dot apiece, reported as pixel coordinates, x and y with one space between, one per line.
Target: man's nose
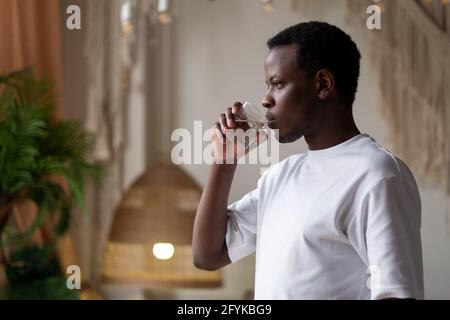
267 102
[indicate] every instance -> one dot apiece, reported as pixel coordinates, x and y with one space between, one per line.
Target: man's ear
324 82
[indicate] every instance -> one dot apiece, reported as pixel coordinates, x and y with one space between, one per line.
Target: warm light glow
268 6
127 27
126 19
163 251
164 18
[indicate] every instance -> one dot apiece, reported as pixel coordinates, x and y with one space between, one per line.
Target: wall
218 54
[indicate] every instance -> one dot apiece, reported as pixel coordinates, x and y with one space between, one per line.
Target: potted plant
43 162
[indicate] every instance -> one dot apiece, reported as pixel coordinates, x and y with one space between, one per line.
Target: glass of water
255 117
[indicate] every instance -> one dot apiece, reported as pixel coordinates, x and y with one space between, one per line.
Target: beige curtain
30 37
116 66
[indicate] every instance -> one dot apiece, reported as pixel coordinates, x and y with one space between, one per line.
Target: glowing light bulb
164 18
268 6
126 18
164 12
163 251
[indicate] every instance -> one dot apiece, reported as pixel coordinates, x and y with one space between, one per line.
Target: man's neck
334 129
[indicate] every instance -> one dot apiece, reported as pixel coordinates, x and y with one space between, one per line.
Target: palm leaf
34 146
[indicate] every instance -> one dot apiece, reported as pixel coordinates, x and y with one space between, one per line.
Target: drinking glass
255 117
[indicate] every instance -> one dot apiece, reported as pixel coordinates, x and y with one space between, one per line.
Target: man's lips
270 121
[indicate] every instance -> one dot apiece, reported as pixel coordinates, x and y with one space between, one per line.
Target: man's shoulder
380 163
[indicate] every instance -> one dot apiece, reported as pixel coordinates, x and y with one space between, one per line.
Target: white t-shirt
337 223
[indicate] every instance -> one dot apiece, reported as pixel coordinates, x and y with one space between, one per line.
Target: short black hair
324 46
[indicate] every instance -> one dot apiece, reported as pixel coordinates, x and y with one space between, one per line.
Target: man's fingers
218 132
223 123
237 104
230 119
237 110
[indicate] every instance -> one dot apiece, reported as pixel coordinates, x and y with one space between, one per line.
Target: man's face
291 96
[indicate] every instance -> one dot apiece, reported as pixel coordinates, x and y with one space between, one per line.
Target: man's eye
277 85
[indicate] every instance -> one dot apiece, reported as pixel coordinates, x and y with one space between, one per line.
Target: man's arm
210 226
388 233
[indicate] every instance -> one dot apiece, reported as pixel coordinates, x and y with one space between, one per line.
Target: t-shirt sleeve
241 228
391 220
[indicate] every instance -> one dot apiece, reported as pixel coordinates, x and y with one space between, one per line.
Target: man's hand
232 140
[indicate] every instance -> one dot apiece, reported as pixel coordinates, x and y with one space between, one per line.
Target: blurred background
89 180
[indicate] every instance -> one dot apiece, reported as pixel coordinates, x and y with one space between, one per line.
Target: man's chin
289 138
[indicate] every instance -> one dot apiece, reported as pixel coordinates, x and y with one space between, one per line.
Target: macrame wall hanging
412 52
115 44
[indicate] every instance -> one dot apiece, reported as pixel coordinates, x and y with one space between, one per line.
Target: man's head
310 66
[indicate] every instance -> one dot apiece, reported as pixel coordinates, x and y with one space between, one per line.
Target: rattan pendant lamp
150 241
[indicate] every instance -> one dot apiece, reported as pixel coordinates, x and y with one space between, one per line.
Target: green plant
42 159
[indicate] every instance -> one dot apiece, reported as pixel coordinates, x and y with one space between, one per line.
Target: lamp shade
151 236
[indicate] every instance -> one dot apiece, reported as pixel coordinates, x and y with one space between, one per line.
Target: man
341 221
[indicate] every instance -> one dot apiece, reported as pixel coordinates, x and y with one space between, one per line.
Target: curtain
30 38
116 75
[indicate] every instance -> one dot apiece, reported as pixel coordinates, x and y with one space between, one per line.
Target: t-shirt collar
334 150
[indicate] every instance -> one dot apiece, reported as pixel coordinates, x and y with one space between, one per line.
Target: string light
164 12
381 5
126 18
164 16
268 5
